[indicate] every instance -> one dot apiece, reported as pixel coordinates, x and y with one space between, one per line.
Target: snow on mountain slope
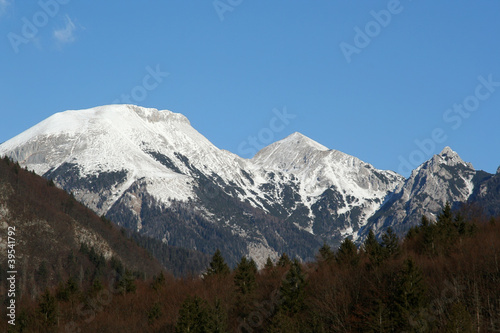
113 138
443 178
152 171
358 188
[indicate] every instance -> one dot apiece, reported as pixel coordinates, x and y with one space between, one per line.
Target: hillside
57 238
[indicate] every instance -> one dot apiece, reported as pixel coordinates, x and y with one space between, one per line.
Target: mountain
487 194
443 178
150 171
337 192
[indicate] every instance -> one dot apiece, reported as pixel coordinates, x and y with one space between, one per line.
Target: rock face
150 171
336 191
444 178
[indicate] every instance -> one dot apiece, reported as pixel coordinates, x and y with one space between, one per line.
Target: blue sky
391 82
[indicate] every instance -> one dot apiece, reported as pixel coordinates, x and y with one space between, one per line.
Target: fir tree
379 317
158 282
410 297
154 313
47 309
373 249
217 266
244 278
194 316
292 289
269 264
390 244
127 283
284 261
326 253
219 318
347 253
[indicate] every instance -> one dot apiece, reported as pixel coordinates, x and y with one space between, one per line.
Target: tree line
443 276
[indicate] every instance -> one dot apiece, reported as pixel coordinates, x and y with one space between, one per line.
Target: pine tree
218 266
292 289
429 235
284 261
446 215
158 282
219 318
390 244
244 278
127 283
269 264
373 249
154 313
47 309
379 317
447 231
410 297
194 316
347 253
326 253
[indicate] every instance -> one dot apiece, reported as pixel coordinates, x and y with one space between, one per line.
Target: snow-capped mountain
443 178
150 170
107 149
338 191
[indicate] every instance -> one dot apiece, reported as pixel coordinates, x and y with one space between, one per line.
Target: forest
442 277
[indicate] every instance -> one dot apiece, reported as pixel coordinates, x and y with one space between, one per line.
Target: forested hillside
442 277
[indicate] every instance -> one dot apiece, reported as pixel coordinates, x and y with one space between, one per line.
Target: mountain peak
300 140
290 151
451 158
151 114
448 152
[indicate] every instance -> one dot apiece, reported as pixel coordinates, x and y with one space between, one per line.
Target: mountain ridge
141 165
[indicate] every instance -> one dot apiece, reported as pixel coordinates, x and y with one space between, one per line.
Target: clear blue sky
230 66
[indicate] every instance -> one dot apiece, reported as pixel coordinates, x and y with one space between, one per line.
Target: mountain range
150 171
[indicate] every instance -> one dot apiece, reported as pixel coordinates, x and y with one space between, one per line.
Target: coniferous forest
443 276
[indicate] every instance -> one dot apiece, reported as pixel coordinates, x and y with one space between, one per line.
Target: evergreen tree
459 320
127 283
347 253
269 264
154 313
410 297
379 318
373 249
194 316
292 289
47 309
72 286
429 234
244 278
219 318
446 216
284 261
218 266
158 282
463 227
390 244
326 253
447 232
